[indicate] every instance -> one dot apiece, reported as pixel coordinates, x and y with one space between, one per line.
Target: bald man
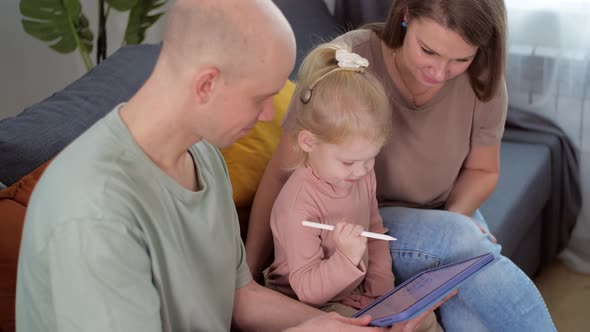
132 227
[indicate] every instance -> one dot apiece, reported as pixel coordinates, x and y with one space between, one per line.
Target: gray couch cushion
522 191
42 130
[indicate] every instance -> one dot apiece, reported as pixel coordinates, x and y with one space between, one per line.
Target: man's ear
205 82
306 140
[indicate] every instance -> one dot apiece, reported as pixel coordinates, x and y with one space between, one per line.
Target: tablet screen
418 288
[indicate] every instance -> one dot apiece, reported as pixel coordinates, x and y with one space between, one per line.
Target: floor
567 295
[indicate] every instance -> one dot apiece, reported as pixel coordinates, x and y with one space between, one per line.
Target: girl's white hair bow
350 60
347 61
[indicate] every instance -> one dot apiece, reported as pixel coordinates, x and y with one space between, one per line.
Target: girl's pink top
307 264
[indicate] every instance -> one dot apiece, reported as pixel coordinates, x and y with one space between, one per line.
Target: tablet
422 291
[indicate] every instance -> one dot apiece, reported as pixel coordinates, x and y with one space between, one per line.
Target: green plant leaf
60 22
122 5
141 18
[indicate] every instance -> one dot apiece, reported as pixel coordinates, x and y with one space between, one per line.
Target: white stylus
331 228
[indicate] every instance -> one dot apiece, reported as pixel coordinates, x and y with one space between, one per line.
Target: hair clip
305 95
347 61
351 60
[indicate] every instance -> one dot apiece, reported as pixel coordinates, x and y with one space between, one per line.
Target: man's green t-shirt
112 243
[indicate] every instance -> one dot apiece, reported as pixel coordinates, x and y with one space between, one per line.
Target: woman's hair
343 104
481 23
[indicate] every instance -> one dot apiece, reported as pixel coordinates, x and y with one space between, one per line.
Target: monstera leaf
141 18
60 22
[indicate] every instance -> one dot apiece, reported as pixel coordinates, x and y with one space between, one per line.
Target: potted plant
63 24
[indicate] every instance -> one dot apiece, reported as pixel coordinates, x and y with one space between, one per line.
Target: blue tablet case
423 290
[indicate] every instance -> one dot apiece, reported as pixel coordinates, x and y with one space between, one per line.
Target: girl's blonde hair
344 104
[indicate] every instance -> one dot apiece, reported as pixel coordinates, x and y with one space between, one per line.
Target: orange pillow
13 205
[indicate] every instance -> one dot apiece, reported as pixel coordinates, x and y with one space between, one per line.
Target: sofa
516 212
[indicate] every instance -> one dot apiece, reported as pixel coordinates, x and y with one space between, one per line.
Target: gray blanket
565 201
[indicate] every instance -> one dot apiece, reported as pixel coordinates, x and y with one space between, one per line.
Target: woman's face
434 54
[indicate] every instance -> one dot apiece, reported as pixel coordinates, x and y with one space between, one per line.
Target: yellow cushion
247 158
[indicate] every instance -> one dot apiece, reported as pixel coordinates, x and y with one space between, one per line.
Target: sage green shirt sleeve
100 276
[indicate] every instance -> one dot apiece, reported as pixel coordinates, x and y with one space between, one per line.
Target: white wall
30 71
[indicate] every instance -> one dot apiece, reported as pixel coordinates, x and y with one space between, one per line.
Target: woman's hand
483 230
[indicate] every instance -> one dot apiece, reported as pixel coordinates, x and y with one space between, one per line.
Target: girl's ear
306 140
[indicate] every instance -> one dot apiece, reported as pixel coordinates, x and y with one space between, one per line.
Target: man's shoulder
75 197
89 179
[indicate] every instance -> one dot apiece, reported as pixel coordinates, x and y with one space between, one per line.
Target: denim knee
432 237
467 239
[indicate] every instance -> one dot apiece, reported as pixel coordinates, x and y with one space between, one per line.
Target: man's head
228 58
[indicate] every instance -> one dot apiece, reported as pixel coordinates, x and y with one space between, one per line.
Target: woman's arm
259 242
477 180
479 175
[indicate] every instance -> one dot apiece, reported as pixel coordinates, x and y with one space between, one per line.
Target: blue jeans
500 298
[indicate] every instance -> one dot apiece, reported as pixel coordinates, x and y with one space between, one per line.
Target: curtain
548 73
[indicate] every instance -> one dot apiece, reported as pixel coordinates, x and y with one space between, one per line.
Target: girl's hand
349 241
